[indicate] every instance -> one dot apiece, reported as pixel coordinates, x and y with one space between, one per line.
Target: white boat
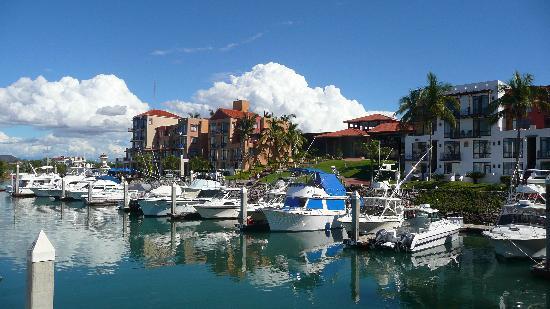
54 190
422 229
109 196
159 201
520 231
225 206
377 213
30 182
311 206
98 186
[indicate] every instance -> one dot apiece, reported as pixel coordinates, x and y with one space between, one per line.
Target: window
508 168
449 131
193 140
480 104
544 151
482 127
150 120
547 122
482 167
194 128
482 149
509 146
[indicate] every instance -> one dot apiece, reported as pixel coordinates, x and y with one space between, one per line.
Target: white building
477 145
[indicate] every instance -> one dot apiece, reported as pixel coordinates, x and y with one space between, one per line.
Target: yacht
98 185
310 206
377 213
422 229
30 182
54 189
159 201
227 205
520 230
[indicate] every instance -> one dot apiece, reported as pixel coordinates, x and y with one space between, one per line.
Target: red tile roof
222 113
390 127
373 117
346 132
159 113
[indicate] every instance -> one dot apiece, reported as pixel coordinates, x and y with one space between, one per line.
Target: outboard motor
381 237
405 241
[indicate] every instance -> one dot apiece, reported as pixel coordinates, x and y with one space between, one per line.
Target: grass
349 169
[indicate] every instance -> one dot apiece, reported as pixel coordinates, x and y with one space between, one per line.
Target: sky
73 73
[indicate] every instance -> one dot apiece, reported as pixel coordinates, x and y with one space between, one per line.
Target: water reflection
315 264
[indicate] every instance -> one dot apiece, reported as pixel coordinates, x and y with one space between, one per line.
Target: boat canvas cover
331 184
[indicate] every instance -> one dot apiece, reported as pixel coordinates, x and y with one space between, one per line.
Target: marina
121 260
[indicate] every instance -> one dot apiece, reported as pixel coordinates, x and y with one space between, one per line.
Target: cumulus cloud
78 116
275 88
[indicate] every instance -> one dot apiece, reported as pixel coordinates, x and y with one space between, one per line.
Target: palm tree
425 105
520 97
245 127
272 138
194 115
294 138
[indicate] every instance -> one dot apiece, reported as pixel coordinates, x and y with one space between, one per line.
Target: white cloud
84 117
275 88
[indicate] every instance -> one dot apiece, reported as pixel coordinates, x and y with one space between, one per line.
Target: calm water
107 259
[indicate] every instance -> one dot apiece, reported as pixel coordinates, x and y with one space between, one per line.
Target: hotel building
476 144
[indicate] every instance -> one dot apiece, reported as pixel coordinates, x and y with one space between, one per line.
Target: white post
90 192
355 207
244 207
40 273
547 226
63 193
173 208
182 167
126 196
16 187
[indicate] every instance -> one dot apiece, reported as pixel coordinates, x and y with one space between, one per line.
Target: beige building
192 137
226 148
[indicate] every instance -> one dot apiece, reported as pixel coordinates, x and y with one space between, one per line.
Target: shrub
505 180
476 176
438 177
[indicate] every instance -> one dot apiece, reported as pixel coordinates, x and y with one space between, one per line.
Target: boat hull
535 248
162 207
372 227
286 221
423 241
218 212
45 192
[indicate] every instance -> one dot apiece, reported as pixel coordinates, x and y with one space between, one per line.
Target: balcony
130 129
444 156
415 156
543 154
467 134
470 113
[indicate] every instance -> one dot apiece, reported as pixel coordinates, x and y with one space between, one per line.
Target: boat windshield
208 193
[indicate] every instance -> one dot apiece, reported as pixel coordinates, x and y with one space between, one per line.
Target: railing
482 155
469 112
415 156
467 134
449 156
543 154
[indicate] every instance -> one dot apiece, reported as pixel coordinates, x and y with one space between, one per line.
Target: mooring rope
532 259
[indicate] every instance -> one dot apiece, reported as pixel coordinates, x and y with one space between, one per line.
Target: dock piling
63 188
90 192
173 208
16 187
126 196
244 207
40 273
355 208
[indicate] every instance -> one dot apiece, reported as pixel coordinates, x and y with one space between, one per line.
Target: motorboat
422 229
159 201
99 185
520 231
227 205
108 196
315 204
30 182
55 189
273 198
377 213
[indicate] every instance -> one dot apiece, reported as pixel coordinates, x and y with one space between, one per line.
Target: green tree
198 164
61 168
426 105
294 138
3 169
272 139
144 163
171 162
520 97
372 151
244 128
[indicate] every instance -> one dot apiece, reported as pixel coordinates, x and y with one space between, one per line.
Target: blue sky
374 51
